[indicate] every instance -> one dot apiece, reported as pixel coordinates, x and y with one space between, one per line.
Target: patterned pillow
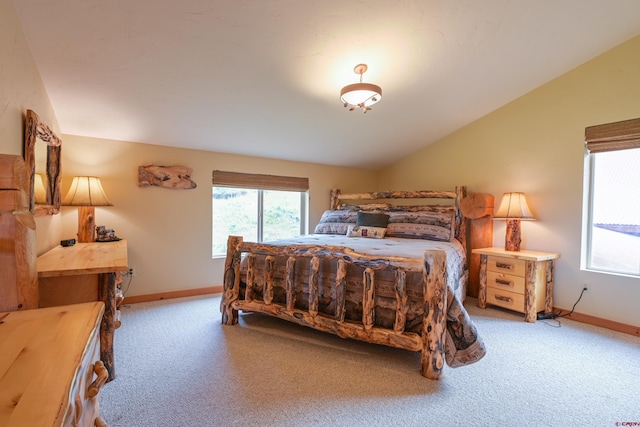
336 222
422 225
366 231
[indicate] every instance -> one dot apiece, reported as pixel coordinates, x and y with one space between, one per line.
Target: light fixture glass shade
514 206
38 189
361 94
86 191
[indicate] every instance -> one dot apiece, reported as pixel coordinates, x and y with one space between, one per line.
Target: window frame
262 183
617 136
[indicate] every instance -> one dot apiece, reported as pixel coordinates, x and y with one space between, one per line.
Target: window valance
259 182
613 136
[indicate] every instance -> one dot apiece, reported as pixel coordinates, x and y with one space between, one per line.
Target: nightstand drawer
506 265
507 282
506 299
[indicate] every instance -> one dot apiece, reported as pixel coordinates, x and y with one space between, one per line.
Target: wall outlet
131 272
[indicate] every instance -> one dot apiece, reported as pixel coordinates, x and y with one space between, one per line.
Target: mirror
42 156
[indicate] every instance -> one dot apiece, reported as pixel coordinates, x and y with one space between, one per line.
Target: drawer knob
505 299
96 385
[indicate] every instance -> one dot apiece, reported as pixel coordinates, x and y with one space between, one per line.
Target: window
257 207
613 214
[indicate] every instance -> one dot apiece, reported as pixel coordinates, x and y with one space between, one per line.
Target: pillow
372 219
366 231
424 225
336 222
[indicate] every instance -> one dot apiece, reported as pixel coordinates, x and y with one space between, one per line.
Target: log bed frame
430 341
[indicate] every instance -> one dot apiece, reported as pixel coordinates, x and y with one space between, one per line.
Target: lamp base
512 237
86 224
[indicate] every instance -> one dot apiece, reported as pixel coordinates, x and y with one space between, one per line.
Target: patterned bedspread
463 346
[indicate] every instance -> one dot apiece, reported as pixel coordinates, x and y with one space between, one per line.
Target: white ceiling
262 77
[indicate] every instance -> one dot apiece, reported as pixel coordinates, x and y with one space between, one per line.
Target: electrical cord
124 292
574 305
555 316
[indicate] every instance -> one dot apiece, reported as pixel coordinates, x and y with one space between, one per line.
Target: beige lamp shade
86 191
514 206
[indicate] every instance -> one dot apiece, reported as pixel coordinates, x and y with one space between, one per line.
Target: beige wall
169 231
535 145
21 88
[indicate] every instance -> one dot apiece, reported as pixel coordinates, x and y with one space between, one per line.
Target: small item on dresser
68 242
105 234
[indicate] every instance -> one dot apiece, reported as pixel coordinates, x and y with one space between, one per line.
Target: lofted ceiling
262 77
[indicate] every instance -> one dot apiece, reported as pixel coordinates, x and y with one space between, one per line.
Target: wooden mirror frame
36 129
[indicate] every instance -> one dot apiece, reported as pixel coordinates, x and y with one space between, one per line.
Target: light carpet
176 365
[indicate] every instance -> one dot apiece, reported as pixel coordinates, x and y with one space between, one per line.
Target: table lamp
86 192
513 207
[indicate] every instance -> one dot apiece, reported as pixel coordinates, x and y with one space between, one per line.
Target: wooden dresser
50 368
82 273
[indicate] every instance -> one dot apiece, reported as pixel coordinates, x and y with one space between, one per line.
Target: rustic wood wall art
174 177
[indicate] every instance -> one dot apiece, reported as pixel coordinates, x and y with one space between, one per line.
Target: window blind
259 182
613 136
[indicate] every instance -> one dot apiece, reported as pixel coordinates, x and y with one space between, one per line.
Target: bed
379 270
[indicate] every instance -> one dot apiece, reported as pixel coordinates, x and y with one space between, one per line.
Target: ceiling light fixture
360 95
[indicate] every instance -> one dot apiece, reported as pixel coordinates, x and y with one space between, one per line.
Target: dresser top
526 255
42 350
84 258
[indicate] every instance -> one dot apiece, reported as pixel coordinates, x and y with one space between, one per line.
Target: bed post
434 322
231 281
461 220
335 199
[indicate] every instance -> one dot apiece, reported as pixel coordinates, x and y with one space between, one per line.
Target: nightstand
521 281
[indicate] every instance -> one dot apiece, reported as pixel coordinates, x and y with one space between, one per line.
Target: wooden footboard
261 269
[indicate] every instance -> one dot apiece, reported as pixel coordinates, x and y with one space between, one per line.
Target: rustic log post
269 265
549 271
482 283
335 199
107 294
530 302
368 299
434 322
401 302
461 221
341 275
512 235
86 224
251 275
313 286
231 281
289 283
